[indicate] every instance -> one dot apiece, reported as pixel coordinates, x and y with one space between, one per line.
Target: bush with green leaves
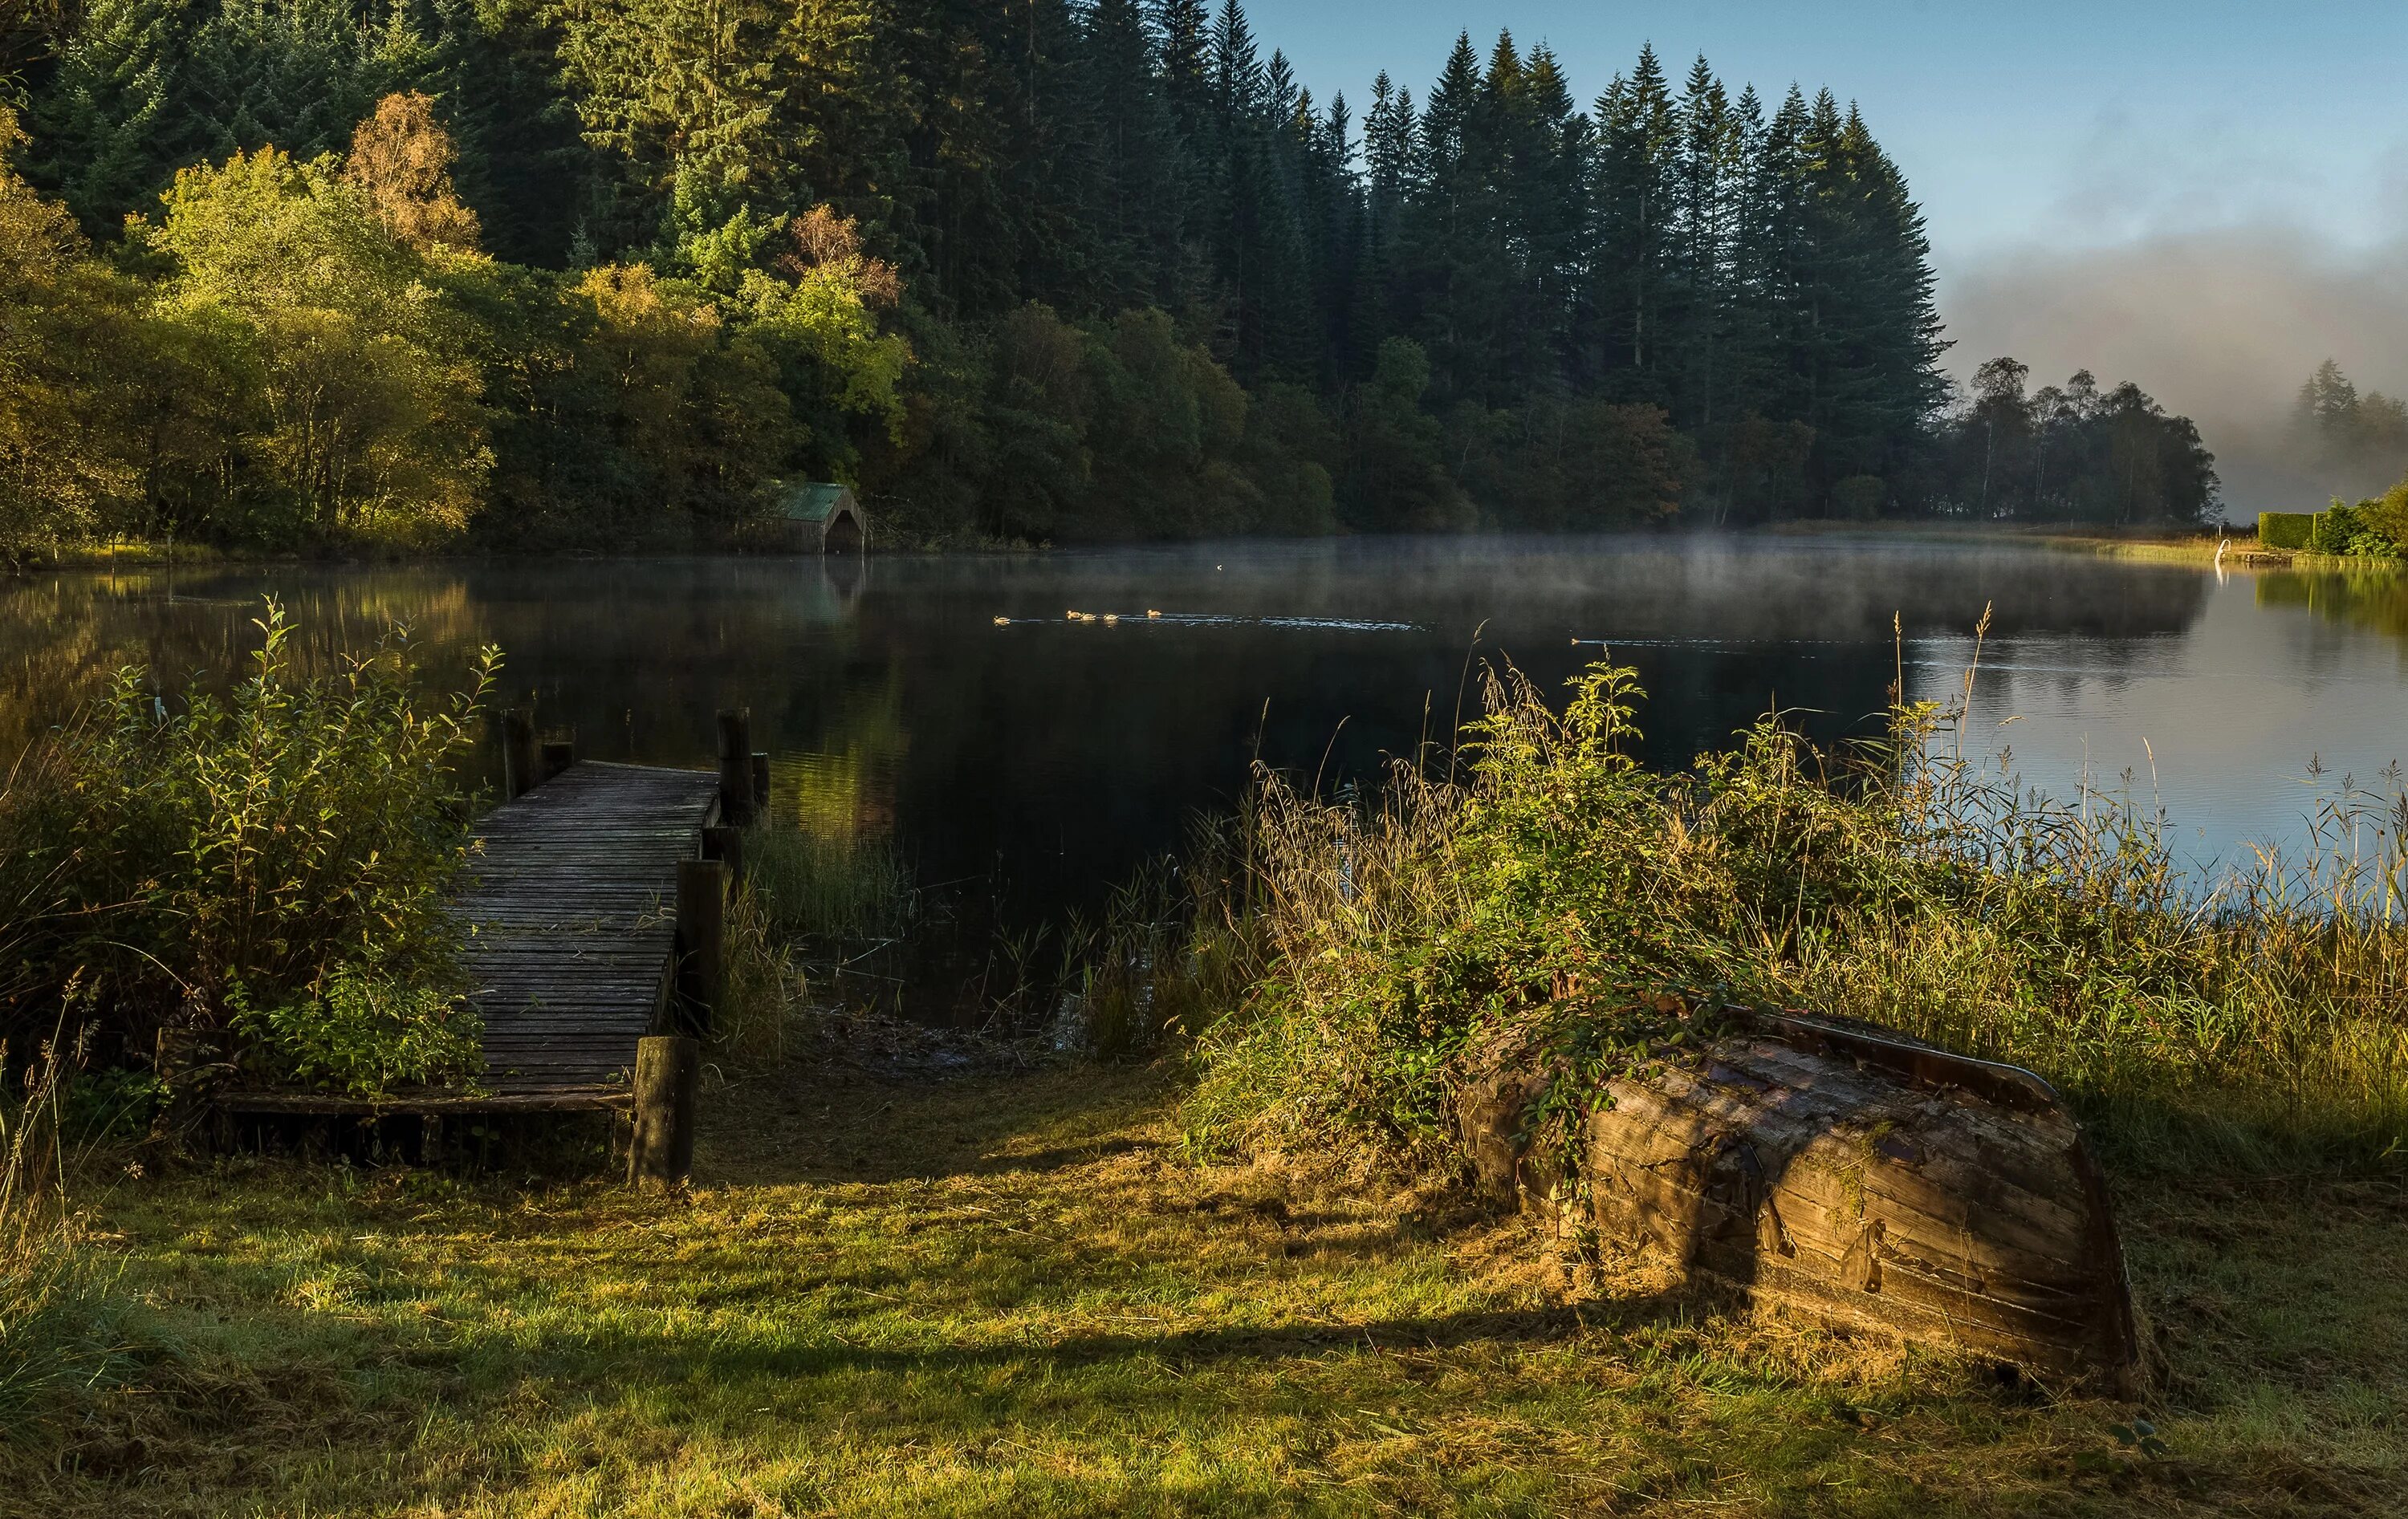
268 864
361 1033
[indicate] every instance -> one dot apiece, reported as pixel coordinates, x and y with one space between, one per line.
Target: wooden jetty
571 907
592 906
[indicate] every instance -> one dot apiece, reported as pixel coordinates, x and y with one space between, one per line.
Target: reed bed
762 985
830 889
1541 881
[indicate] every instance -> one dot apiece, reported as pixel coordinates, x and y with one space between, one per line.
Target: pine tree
102 121
523 166
297 74
1133 136
1706 165
1636 131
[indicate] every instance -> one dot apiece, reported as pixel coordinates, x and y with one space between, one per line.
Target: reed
1551 883
761 986
829 889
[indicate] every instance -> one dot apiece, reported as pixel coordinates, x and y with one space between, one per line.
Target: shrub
270 863
2335 526
1563 892
2285 529
2386 515
361 1032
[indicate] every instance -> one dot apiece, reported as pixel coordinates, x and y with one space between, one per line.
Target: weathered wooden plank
570 902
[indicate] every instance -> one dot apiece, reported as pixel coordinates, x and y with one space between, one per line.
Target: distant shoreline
2163 545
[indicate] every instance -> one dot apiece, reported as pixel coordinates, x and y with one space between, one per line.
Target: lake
1054 755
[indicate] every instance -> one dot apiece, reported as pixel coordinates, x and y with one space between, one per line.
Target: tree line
609 272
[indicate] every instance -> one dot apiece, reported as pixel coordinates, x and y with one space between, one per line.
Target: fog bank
2221 324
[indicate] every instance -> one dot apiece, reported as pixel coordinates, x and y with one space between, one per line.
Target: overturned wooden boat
1867 1181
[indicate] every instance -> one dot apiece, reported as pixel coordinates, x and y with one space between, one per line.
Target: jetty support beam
669 1071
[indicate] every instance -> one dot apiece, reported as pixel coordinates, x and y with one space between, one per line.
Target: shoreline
2163 546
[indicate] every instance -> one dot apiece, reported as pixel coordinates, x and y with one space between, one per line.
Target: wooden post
736 766
701 917
726 846
519 751
668 1071
557 758
759 785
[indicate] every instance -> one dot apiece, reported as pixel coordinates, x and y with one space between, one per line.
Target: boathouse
824 518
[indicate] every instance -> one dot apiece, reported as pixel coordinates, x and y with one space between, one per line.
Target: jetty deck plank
570 904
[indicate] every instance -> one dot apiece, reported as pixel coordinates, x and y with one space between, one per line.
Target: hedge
2285 529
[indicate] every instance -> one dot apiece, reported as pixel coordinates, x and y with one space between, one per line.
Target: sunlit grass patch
1014 1296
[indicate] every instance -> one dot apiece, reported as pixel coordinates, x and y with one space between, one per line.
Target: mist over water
1058 754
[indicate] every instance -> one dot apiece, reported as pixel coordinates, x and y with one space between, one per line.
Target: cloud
2221 324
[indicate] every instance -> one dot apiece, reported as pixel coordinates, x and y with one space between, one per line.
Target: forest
519 274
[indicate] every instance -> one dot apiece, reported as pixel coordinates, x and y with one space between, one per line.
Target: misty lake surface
1056 755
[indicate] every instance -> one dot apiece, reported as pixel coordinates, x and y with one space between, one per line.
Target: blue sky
2047 123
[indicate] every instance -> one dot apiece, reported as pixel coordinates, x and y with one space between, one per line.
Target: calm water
1056 754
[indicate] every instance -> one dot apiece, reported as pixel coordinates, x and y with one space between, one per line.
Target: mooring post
761 785
557 758
519 751
735 765
669 1069
726 846
701 919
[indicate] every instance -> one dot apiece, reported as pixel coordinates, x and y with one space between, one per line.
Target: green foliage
2385 518
367 416
2285 529
2333 529
360 1032
270 861
66 462
1561 895
1100 271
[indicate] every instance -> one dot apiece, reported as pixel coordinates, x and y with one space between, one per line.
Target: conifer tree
1636 133
102 121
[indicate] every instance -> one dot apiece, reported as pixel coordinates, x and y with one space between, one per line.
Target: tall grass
829 889
760 984
56 1303
1169 950
1552 889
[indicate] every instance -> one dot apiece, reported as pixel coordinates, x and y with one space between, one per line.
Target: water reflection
1061 752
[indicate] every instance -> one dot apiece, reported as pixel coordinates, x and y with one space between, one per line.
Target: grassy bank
1550 892
1014 1295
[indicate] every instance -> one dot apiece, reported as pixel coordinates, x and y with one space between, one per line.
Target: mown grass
1018 1296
